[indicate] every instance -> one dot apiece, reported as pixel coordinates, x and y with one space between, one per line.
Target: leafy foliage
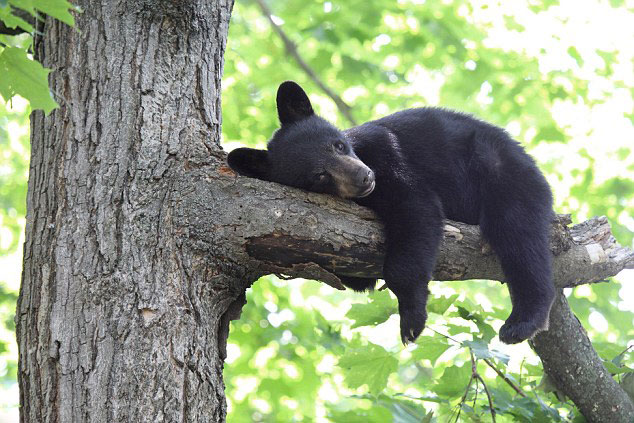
382 308
26 78
370 365
21 75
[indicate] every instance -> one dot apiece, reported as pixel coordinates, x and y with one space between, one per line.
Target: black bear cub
414 168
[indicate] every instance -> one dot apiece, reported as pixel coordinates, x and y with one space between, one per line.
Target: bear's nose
369 178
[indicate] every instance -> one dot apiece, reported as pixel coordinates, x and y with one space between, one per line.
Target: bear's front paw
514 332
412 323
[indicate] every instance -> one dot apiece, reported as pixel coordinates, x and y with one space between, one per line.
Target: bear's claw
412 324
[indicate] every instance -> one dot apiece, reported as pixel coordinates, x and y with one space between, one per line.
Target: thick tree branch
291 49
585 253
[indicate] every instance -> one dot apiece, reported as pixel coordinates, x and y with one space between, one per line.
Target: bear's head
306 152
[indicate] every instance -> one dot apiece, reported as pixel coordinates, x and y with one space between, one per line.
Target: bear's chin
366 192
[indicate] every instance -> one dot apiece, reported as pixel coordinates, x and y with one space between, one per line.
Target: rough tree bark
119 313
140 241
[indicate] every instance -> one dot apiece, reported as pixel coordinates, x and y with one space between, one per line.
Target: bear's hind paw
516 332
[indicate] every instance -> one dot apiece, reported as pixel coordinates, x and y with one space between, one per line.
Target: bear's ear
249 162
292 103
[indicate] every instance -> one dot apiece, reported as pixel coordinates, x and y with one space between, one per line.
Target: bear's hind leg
524 254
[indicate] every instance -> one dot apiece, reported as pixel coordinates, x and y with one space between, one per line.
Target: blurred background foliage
559 76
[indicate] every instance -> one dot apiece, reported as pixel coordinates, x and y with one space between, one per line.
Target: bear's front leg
410 287
413 234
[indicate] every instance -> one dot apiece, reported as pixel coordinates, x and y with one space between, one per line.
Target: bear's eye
320 177
340 147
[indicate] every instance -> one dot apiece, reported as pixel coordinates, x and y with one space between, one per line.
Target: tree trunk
118 317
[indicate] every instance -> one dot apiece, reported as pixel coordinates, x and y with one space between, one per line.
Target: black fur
429 164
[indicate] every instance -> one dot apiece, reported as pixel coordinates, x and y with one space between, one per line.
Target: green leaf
481 350
58 9
574 53
614 369
504 358
372 415
608 350
485 329
370 365
550 133
24 5
453 381
479 347
26 78
430 348
378 310
513 25
439 305
456 329
402 411
547 385
12 21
